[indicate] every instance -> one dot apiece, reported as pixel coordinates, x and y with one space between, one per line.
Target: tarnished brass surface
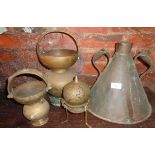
37 112
58 81
58 59
76 98
74 108
118 95
31 94
76 92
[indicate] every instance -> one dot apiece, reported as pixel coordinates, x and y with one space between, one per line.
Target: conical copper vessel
118 95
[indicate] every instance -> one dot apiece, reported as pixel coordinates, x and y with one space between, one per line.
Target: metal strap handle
144 57
98 55
77 49
25 71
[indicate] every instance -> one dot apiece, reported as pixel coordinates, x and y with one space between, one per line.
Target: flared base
40 122
55 101
74 108
127 122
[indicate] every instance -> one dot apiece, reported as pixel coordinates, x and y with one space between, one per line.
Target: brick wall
18 47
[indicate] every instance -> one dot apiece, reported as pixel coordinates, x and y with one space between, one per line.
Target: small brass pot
31 94
76 93
76 97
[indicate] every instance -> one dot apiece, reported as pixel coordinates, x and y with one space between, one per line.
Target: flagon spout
118 95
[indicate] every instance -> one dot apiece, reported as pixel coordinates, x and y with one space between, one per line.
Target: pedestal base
40 122
55 101
75 108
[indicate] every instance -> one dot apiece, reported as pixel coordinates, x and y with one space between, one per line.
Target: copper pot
31 94
58 61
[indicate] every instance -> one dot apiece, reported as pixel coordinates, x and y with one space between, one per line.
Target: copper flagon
118 95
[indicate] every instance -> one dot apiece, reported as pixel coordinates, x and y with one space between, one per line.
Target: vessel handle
146 59
97 55
77 49
25 71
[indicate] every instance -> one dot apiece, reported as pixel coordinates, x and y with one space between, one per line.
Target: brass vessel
76 97
31 94
58 61
118 95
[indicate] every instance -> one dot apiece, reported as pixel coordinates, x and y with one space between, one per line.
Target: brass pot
58 81
76 92
31 94
58 61
37 112
76 98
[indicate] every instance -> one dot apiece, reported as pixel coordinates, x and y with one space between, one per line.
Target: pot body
31 94
58 81
76 92
76 96
37 112
58 59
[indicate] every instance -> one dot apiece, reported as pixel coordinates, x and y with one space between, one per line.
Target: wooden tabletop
11 117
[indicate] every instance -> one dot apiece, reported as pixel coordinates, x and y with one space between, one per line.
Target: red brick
93 43
34 37
86 55
88 29
28 59
141 41
152 55
100 37
120 30
140 67
145 29
47 29
89 69
5 56
9 41
55 40
24 41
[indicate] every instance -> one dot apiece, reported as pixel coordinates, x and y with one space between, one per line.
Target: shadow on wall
151 96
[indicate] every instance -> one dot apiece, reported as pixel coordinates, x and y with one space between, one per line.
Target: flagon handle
38 43
21 72
98 55
146 59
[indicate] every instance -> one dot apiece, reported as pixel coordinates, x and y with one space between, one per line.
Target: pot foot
40 122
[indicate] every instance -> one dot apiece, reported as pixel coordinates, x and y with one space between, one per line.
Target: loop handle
77 49
25 71
98 55
144 57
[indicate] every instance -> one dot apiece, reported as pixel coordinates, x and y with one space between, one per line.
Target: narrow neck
124 47
59 70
